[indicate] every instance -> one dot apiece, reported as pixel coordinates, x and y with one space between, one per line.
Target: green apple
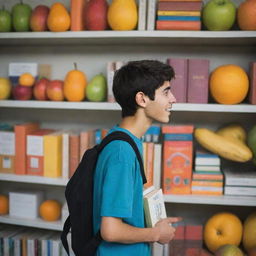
96 89
219 15
229 250
5 21
21 17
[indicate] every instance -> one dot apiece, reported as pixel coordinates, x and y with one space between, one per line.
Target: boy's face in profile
159 108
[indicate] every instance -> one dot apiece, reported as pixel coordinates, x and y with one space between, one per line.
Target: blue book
179 18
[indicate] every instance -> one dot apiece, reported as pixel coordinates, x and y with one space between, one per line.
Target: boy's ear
141 99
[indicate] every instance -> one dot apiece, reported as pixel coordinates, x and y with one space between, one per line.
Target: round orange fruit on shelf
4 205
229 84
26 79
50 210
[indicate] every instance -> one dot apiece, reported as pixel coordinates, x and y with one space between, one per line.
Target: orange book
178 25
179 0
177 167
35 151
204 183
177 129
202 176
149 164
21 131
74 152
76 14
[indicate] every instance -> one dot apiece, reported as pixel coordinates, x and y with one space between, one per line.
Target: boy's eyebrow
167 88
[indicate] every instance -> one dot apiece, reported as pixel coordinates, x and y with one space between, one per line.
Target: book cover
180 5
74 152
21 132
198 77
179 83
35 151
154 207
179 13
142 15
53 155
149 164
252 90
151 15
178 25
157 177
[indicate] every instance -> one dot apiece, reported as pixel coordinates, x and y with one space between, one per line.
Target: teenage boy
143 90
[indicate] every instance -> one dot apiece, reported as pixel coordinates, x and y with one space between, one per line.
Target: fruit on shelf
222 228
229 250
50 210
249 232
39 89
58 19
95 15
20 92
229 84
252 142
5 88
234 131
38 19
21 16
5 20
219 15
4 204
74 85
246 15
96 90
228 148
54 90
123 15
26 79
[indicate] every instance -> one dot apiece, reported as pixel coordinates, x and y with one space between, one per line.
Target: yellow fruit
4 205
222 228
5 88
229 84
26 79
50 210
123 15
234 131
249 233
229 148
58 19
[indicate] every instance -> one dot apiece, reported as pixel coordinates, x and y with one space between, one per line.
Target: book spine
142 15
110 76
199 176
179 13
84 142
198 76
179 84
179 0
178 25
180 6
178 18
149 164
151 15
241 181
74 153
206 183
252 91
65 155
177 129
157 166
241 191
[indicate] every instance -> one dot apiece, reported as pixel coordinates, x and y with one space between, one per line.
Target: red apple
38 18
54 90
20 92
39 89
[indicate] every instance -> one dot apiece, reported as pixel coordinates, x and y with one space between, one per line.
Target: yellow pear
123 15
58 19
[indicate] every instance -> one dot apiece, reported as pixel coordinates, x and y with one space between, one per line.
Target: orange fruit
50 210
229 84
246 15
4 205
26 79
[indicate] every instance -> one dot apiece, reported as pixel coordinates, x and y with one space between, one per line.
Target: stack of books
240 178
179 15
207 178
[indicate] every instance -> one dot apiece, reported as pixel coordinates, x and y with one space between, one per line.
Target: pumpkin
4 205
229 84
50 210
246 15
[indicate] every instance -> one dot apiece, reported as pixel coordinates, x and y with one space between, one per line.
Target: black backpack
79 197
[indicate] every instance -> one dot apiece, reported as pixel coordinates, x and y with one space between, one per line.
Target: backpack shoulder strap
66 229
118 135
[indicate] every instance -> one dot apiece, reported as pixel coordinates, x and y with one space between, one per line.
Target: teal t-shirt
118 192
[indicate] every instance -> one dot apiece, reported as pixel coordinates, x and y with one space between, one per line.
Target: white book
207 161
151 15
154 207
65 155
213 168
110 76
142 14
243 177
157 166
206 188
240 191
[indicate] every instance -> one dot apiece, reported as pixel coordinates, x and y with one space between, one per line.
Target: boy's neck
137 124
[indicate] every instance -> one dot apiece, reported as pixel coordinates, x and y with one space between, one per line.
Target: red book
198 81
177 25
179 83
252 92
74 152
179 6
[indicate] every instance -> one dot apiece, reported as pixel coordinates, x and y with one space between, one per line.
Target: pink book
198 81
179 6
179 83
252 92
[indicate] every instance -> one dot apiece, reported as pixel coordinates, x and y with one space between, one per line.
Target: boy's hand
166 230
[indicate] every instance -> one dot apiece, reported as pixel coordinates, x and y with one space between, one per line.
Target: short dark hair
139 76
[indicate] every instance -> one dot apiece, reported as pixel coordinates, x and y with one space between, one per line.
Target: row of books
179 15
29 242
